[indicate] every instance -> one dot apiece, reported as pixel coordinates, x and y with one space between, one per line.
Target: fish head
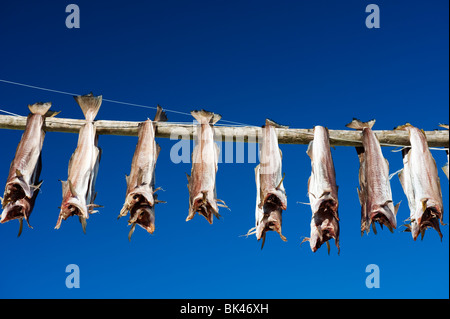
271 220
324 226
384 215
144 216
205 205
17 209
429 219
73 206
15 190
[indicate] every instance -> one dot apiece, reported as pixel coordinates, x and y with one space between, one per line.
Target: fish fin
360 195
131 231
309 150
160 115
205 117
19 173
424 204
444 126
374 228
359 125
396 208
127 178
263 240
20 227
83 223
188 177
51 113
158 150
40 108
71 188
328 247
281 182
222 204
445 169
403 127
305 240
270 122
90 105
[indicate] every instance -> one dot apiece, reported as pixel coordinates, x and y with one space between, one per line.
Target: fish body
22 186
420 182
140 195
271 197
202 181
375 194
79 189
322 191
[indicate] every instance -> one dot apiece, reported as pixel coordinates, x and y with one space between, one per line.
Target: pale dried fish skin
323 192
79 189
421 184
140 198
22 186
375 193
202 181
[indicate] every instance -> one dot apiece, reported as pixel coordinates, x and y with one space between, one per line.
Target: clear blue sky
300 63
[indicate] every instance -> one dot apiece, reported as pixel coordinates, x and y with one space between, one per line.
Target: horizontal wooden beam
438 138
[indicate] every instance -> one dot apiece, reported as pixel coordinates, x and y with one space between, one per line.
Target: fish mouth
325 226
271 220
144 216
16 210
202 205
430 218
13 193
384 216
71 208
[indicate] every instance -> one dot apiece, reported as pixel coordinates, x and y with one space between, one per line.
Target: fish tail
359 125
403 127
41 108
89 104
270 122
160 115
205 117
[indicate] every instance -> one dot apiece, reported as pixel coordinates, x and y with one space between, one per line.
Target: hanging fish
323 192
22 186
420 182
375 195
79 189
140 194
271 197
202 182
445 167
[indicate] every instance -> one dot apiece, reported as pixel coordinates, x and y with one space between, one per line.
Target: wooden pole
438 138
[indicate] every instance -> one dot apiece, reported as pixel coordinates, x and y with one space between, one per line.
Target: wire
108 100
10 113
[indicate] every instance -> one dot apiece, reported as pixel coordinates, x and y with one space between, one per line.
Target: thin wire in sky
108 100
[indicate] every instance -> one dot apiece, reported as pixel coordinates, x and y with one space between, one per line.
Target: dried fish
375 194
140 194
202 182
271 197
421 184
79 189
22 186
323 192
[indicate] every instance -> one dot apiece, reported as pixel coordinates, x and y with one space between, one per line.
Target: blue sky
300 63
